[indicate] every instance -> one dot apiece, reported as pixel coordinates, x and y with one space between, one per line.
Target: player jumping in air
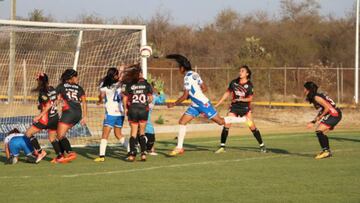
14 143
328 117
138 96
110 90
74 110
193 89
48 117
241 90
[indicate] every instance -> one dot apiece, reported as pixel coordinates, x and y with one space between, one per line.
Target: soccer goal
27 48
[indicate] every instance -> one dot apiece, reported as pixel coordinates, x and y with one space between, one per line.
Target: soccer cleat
143 157
60 159
70 157
99 159
176 151
263 149
41 156
324 154
220 150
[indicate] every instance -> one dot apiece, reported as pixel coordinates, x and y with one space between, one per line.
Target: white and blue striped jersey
9 137
192 82
113 100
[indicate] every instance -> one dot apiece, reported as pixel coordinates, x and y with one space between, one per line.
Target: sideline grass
287 174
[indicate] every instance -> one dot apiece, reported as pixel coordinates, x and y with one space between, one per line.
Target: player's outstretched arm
225 96
179 100
7 151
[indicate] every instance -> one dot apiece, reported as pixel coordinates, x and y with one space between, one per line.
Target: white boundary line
163 166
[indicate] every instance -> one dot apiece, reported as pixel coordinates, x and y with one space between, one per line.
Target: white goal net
28 48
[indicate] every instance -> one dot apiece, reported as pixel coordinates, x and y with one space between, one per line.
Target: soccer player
193 89
241 90
328 116
138 95
48 117
110 90
74 110
158 98
14 143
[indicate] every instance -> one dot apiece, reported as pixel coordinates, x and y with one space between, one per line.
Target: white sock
181 136
122 140
230 119
103 144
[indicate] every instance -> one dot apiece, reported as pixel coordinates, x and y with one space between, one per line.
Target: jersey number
139 98
72 96
117 97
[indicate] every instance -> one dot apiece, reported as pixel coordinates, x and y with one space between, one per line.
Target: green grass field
287 174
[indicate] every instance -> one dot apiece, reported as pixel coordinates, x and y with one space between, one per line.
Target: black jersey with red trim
240 90
71 95
138 93
334 111
46 97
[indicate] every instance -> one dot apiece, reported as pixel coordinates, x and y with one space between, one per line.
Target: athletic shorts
138 114
70 117
208 110
113 121
331 121
50 126
18 144
239 111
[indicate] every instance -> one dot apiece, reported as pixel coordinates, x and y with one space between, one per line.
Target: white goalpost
27 48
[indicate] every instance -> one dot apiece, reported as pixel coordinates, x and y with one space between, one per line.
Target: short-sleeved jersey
334 111
138 93
239 90
9 137
46 97
192 83
113 100
71 95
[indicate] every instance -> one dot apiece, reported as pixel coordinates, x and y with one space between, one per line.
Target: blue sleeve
160 99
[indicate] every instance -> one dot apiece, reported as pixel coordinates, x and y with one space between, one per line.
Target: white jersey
9 137
192 82
113 100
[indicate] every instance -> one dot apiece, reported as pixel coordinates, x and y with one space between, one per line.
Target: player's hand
83 121
170 105
310 125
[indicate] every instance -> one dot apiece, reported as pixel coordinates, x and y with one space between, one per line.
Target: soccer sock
35 143
132 142
65 144
122 140
142 141
257 135
151 141
224 135
321 139
181 136
56 147
326 142
102 150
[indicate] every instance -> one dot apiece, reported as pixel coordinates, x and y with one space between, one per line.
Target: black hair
312 88
15 130
132 73
68 74
43 83
247 70
181 60
110 79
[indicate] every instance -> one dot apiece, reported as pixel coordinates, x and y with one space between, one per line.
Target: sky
195 12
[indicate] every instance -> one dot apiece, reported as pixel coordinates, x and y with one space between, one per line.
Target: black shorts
51 125
138 114
243 111
70 117
331 121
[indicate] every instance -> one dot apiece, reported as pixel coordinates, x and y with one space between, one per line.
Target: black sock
326 142
34 142
224 135
65 144
142 141
132 142
257 135
150 141
57 148
322 139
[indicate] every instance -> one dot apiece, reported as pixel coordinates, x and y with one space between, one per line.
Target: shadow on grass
116 152
341 139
